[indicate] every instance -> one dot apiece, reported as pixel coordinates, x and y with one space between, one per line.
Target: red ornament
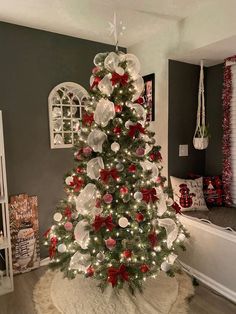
140 151
68 226
139 217
144 268
118 108
90 271
127 253
124 190
87 151
79 170
132 169
140 100
117 130
52 248
108 198
152 237
67 213
110 243
115 273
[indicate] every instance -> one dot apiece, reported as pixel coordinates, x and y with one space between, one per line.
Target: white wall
153 54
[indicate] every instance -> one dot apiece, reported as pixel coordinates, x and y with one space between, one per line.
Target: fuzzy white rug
54 294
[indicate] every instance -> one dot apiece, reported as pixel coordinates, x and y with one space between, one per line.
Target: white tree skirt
54 294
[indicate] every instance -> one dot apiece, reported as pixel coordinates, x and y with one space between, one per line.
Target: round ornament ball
123 222
139 217
87 151
115 147
165 266
117 130
108 198
140 151
127 253
57 217
181 237
120 167
118 108
68 226
124 190
138 196
100 256
144 268
90 271
110 243
61 248
69 180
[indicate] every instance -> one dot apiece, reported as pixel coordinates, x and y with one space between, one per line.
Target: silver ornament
100 256
120 167
61 248
138 196
115 147
123 222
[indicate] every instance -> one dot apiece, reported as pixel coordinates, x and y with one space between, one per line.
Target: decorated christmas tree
117 224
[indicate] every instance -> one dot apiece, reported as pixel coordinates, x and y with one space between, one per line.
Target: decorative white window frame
66 102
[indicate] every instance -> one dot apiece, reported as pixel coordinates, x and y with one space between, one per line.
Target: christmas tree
117 224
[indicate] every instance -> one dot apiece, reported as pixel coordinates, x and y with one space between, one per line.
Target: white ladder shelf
6 284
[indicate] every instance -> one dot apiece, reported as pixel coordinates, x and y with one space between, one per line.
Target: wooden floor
20 301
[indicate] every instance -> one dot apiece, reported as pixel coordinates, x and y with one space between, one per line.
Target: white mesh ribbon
80 261
105 85
104 112
150 166
81 234
94 166
138 87
171 230
86 200
139 110
171 258
133 64
111 63
161 204
96 139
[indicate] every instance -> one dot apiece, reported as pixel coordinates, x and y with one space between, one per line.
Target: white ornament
115 147
104 112
138 85
61 248
100 256
69 180
171 230
86 201
57 217
81 234
123 222
138 196
105 86
80 261
94 166
165 266
181 237
96 139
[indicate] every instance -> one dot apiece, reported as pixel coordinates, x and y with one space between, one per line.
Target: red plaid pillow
213 191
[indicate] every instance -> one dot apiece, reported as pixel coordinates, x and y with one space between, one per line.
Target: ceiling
89 19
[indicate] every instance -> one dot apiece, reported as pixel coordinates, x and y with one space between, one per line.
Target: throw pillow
188 194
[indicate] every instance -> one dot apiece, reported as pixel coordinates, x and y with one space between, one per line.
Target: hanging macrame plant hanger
200 138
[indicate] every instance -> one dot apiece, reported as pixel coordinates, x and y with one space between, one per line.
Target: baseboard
221 289
45 261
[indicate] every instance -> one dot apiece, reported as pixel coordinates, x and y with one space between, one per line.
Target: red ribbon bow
135 130
87 119
177 208
152 237
96 81
52 248
114 273
149 195
117 78
100 222
105 174
77 183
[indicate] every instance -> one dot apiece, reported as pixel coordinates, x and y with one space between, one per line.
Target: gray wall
183 95
32 62
183 98
214 110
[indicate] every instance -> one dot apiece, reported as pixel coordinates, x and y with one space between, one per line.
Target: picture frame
149 95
